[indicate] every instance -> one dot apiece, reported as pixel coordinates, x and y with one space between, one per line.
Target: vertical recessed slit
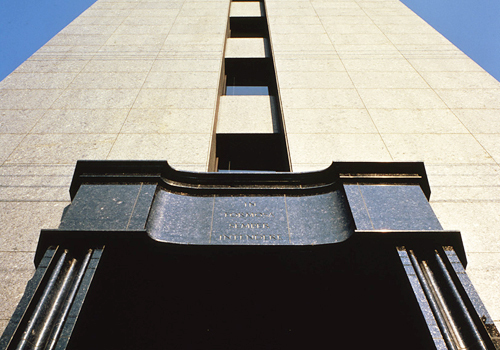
249 132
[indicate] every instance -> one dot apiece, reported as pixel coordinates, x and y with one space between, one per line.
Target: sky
472 25
26 25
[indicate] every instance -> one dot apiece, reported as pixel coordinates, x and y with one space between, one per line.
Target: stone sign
280 219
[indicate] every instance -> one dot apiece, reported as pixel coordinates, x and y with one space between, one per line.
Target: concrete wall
359 80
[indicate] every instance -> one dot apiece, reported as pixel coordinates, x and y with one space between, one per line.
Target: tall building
311 82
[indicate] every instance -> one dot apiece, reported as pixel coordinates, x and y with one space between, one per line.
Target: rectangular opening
253 152
250 76
248 27
248 70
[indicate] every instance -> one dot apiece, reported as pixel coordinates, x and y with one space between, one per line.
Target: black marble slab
251 260
249 220
109 207
391 207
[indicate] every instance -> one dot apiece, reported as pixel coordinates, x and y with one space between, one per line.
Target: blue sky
25 25
472 25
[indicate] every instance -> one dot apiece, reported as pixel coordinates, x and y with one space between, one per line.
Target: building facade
345 81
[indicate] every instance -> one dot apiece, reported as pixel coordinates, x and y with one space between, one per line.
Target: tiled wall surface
371 81
359 80
127 79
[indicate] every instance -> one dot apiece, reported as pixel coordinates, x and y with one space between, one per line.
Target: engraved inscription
249 225
248 215
250 237
249 220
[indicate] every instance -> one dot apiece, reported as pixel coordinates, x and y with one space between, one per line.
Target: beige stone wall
371 81
128 79
359 80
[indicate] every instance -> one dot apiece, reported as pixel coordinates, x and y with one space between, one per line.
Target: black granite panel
29 295
423 303
181 219
468 286
143 203
79 300
250 220
101 207
392 207
323 218
358 207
